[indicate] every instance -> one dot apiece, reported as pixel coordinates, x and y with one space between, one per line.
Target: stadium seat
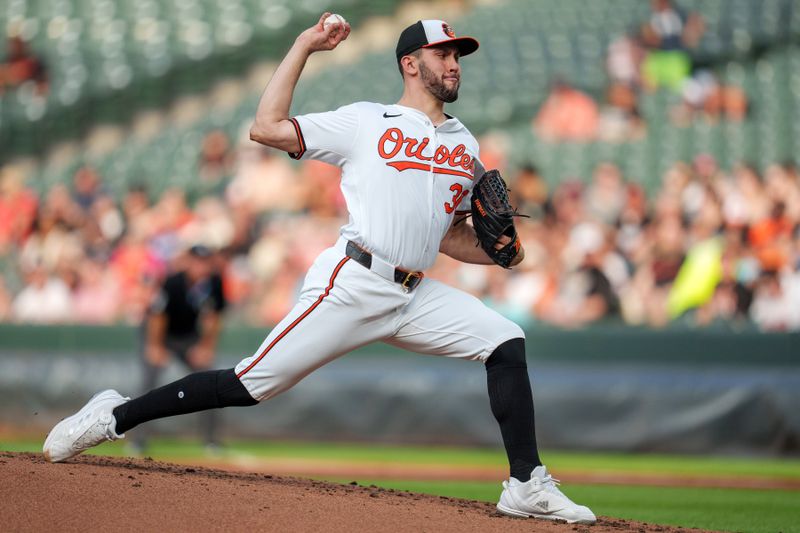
524 44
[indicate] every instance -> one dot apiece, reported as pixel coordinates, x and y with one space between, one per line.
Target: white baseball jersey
402 177
403 180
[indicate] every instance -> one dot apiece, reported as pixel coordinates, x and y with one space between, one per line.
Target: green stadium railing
606 341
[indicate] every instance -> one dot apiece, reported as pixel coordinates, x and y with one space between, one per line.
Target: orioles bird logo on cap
448 30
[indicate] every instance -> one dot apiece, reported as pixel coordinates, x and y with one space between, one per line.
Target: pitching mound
111 494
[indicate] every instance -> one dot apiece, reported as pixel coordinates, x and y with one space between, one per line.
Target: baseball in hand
333 19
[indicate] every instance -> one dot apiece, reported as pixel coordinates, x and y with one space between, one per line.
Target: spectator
586 294
323 196
51 244
567 115
60 205
216 161
17 209
781 186
631 223
21 66
668 34
605 196
135 265
733 295
529 192
109 219
494 146
532 286
792 174
620 119
96 299
771 238
211 225
624 61
86 187
265 181
171 217
136 202
661 267
44 299
774 308
597 250
704 95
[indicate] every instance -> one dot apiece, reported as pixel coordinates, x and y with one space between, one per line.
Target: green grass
756 511
721 509
439 455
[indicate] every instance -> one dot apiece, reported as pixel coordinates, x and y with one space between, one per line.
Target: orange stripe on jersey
300 139
299 319
450 171
405 165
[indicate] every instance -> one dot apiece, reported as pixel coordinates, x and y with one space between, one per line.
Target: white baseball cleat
90 426
541 498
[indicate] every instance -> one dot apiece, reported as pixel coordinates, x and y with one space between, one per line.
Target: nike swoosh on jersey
386 115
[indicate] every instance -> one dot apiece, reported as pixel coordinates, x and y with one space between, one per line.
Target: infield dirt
92 493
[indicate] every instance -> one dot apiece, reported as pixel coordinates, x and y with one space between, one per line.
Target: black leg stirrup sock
512 405
196 392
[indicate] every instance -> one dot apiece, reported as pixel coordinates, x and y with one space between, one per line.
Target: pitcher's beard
437 87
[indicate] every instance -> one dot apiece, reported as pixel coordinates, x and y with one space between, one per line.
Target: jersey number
458 194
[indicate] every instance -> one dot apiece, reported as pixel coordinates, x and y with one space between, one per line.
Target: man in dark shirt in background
184 321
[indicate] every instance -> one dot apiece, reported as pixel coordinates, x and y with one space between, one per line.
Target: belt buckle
408 283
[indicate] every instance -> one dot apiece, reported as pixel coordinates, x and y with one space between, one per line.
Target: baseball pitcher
410 175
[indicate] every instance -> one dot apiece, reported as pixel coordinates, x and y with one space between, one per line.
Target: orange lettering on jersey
459 193
441 155
459 159
420 148
410 142
393 136
392 141
454 157
406 165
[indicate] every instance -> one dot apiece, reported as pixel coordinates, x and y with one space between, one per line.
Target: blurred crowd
708 246
21 66
655 55
77 253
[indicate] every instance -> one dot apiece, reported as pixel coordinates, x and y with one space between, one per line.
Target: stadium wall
602 388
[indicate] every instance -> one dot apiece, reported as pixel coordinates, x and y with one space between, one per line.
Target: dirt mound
110 494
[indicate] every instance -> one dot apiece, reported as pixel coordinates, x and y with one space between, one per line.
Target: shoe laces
550 484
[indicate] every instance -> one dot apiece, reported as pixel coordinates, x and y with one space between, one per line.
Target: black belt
408 280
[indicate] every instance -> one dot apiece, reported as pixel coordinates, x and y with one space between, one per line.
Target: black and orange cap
427 33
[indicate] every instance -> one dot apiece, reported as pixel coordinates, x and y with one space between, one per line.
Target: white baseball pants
343 306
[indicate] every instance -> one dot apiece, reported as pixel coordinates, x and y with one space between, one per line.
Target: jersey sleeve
329 136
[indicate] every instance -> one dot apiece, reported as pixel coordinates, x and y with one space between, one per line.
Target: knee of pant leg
265 384
509 354
506 330
231 391
268 389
